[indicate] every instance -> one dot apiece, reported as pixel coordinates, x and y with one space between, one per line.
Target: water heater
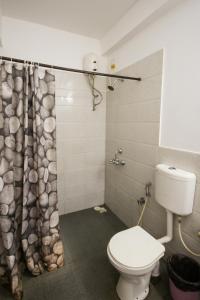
90 62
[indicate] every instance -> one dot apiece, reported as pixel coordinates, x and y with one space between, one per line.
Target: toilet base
133 287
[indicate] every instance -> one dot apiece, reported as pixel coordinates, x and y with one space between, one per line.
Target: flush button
172 168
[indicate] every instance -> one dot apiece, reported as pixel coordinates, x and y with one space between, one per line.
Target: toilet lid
135 248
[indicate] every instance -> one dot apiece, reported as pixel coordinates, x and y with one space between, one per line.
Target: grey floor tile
87 274
5 293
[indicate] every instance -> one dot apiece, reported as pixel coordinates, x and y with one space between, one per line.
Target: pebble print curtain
29 220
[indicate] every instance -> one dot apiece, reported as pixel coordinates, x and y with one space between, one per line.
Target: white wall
178 34
35 42
141 14
0 22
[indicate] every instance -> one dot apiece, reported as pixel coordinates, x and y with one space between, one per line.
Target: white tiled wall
133 117
80 143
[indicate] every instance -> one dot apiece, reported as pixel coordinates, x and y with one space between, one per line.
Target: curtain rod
70 69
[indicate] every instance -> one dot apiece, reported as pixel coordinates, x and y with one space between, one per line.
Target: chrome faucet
116 161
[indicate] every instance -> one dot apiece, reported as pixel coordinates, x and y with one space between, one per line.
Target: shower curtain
29 220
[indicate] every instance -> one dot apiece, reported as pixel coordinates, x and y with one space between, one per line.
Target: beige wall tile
147 133
197 199
149 66
133 115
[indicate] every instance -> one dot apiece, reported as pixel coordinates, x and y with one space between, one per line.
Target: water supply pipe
168 237
165 239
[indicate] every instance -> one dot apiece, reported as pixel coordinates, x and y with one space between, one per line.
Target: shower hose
142 212
183 242
179 229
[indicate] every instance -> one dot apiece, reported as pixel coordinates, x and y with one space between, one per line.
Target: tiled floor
87 274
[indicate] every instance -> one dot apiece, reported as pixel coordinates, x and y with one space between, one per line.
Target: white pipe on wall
165 239
168 237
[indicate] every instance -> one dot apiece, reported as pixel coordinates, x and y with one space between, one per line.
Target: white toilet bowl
134 253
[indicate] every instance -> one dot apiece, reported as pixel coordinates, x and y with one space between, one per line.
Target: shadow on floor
87 274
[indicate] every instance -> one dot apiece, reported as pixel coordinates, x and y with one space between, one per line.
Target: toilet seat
135 249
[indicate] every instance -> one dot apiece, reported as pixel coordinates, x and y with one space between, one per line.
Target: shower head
111 87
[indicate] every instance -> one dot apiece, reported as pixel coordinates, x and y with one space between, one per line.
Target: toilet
134 252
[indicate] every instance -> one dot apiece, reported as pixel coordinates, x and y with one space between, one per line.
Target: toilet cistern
174 190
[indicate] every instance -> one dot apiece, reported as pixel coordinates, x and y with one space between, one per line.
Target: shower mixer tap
116 161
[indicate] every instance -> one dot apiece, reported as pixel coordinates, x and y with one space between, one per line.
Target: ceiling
91 18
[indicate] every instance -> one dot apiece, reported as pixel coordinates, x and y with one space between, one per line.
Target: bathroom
113 90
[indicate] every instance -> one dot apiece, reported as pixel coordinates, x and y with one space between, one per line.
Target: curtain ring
11 62
26 63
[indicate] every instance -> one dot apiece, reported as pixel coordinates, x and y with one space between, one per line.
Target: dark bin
184 277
